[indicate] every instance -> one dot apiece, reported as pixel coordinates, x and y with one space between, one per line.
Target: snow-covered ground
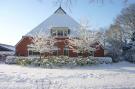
119 76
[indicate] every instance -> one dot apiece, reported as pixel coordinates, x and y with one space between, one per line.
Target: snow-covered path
120 75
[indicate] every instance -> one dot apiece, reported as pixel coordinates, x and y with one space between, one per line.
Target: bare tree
69 3
127 19
114 38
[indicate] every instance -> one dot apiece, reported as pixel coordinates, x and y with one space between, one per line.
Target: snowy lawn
106 76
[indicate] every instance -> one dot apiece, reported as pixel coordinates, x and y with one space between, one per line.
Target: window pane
65 33
60 33
66 51
36 53
55 52
30 52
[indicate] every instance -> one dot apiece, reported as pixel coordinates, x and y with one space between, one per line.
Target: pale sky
17 17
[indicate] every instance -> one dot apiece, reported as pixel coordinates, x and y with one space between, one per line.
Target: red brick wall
61 44
21 47
99 53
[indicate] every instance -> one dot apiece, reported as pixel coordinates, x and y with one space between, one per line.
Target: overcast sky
17 17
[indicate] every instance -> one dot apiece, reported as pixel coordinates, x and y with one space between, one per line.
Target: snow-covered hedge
129 55
60 61
57 61
102 60
11 60
18 60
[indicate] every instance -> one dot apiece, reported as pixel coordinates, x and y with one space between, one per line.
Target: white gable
58 19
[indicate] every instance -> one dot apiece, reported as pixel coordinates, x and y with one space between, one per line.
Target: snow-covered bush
10 60
80 61
58 61
45 63
108 60
23 61
129 52
102 60
92 61
20 60
62 61
130 56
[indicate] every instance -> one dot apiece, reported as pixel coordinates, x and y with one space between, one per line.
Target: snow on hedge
61 60
103 59
105 76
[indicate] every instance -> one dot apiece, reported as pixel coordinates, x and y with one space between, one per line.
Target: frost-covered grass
104 76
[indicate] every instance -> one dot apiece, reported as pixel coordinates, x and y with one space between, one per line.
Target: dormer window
60 31
54 33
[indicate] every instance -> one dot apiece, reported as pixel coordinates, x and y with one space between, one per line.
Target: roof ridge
60 8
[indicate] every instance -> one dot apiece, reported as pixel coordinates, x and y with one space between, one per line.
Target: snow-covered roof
9 47
7 52
58 19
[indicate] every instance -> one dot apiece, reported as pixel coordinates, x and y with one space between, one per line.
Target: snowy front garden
102 76
103 59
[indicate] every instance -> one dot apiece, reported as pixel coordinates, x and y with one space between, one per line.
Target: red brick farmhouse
61 26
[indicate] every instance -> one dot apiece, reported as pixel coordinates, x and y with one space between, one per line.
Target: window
80 54
66 51
32 53
60 31
54 34
65 33
68 31
55 52
36 53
